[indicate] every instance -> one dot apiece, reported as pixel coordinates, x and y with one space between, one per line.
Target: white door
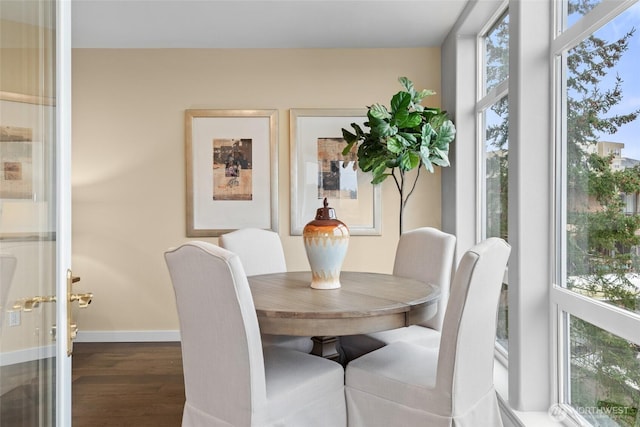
35 212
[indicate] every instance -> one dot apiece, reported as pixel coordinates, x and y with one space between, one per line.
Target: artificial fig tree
399 139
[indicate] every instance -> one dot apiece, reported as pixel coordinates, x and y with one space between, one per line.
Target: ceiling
262 23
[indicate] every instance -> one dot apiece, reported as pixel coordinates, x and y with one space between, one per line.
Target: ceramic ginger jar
325 240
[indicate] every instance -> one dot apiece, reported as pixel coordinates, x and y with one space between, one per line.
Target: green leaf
426 92
384 130
436 152
378 179
399 117
395 145
408 139
348 148
446 134
429 113
406 84
400 101
428 165
358 130
439 157
414 158
410 120
425 153
379 112
379 169
426 134
409 160
349 137
443 162
392 163
365 163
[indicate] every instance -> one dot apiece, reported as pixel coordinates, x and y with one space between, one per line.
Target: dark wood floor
127 384
26 401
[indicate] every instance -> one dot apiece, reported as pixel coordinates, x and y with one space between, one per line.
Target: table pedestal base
326 347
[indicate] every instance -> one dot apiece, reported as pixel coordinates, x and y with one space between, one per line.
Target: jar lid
325 212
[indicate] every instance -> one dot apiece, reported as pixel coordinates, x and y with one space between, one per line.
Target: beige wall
128 157
26 82
26 55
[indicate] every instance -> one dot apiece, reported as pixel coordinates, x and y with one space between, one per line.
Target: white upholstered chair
424 254
229 379
261 252
450 385
7 269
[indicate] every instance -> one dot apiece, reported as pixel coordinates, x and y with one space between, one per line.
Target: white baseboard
128 336
27 355
38 353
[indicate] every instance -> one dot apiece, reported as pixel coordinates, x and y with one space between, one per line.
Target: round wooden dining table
366 302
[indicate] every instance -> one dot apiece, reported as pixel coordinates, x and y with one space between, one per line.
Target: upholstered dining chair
261 252
425 254
7 269
449 385
229 379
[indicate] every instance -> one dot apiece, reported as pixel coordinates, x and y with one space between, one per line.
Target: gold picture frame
26 145
318 170
231 165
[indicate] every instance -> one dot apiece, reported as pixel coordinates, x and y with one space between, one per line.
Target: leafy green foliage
406 136
399 139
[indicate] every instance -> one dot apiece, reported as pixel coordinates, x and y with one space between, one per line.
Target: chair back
260 251
427 254
221 348
465 361
7 269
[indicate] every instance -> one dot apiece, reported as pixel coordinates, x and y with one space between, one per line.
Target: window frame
485 99
535 364
565 302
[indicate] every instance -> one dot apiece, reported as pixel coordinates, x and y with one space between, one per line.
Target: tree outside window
496 149
602 233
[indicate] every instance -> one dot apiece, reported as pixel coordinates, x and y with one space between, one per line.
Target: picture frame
26 144
317 171
231 170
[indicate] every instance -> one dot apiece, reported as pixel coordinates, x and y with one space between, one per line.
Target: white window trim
460 196
485 100
563 301
535 363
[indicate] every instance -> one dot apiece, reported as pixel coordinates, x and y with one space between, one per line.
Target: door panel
34 212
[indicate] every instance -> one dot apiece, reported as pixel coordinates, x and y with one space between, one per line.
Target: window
493 110
570 349
576 9
598 273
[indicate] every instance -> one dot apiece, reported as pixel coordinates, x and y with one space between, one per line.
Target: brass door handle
83 299
28 304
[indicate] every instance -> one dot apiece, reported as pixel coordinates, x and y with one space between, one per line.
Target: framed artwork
232 170
27 124
319 170
16 162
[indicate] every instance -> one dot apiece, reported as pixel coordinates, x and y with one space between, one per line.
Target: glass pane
496 195
497 53
576 9
604 376
496 167
603 164
27 206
